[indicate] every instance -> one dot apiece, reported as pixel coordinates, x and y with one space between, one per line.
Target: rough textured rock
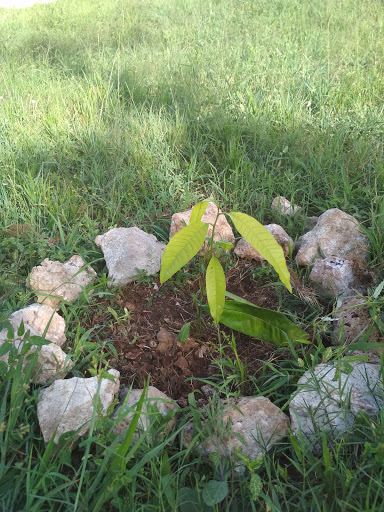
155 398
244 250
166 339
67 405
336 276
256 420
282 205
310 223
223 231
357 322
329 401
52 363
129 251
36 318
53 281
336 235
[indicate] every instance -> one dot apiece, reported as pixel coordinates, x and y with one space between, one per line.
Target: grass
120 113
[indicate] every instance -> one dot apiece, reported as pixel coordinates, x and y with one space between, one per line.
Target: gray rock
155 398
36 318
244 250
256 424
223 231
52 363
310 223
54 281
336 235
284 207
330 401
352 322
67 405
129 251
336 276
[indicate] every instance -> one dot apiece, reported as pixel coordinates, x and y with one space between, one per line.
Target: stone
223 231
67 405
255 420
330 401
336 276
54 282
244 249
36 318
310 223
283 206
189 346
166 340
154 399
52 363
183 365
357 322
336 235
128 252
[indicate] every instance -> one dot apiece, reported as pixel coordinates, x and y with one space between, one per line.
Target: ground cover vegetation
121 113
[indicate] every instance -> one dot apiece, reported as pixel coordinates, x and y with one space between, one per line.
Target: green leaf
184 332
237 298
119 462
262 240
188 500
255 486
215 282
378 290
223 245
198 211
182 248
261 323
214 492
21 329
327 355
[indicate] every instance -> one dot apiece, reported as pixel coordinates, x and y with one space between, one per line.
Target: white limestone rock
244 249
256 420
36 318
330 401
129 251
53 281
52 363
336 276
154 398
67 405
336 235
223 231
284 207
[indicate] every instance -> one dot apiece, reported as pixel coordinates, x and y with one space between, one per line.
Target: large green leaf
181 248
198 211
215 282
261 323
262 240
214 492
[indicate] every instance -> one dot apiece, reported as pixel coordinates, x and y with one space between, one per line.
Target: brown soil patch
146 338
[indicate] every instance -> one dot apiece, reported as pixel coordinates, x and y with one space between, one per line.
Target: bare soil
146 339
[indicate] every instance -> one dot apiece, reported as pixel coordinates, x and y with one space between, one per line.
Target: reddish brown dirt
146 340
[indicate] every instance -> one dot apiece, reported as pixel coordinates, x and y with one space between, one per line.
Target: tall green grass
119 113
